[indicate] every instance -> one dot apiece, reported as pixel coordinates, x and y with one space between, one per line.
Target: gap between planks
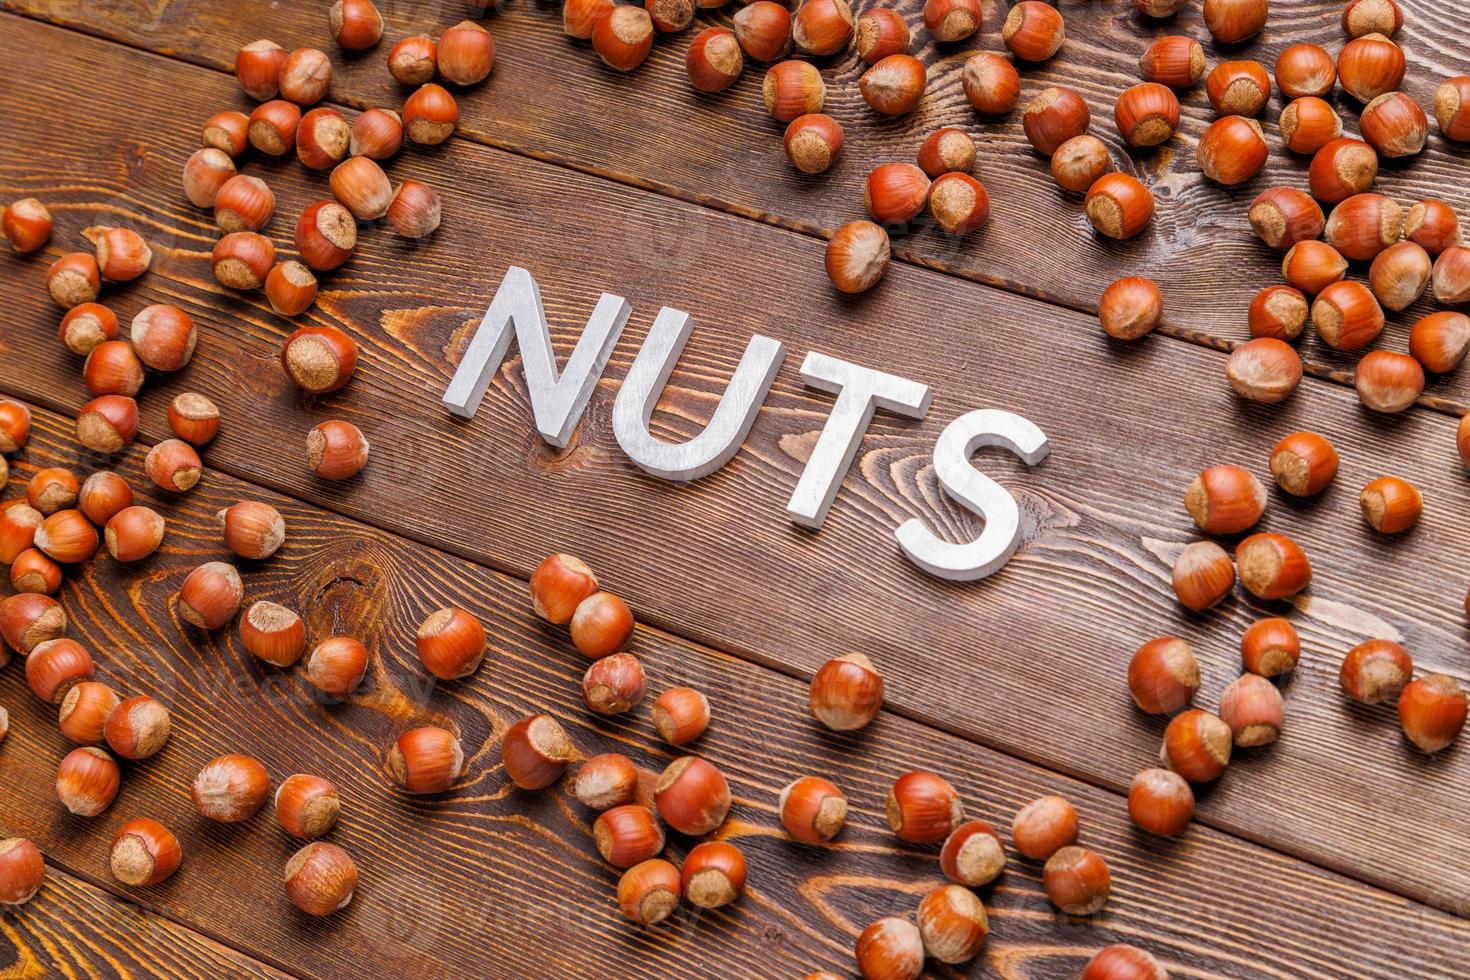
1435 403
754 658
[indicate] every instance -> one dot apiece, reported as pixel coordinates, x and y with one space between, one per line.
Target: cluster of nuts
1407 251
57 524
795 93
61 673
1229 500
285 85
924 808
163 339
691 795
1362 226
951 924
319 879
321 359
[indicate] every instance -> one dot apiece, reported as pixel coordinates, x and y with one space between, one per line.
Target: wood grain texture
75 929
1031 661
551 98
488 879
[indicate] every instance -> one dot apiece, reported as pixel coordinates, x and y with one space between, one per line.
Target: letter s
976 492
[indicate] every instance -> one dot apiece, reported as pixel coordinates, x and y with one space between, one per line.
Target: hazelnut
1163 675
230 788
1375 671
1391 505
1252 707
1264 370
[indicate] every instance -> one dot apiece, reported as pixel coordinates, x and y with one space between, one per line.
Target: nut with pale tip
1303 463
1439 341
376 134
1197 745
144 852
1203 575
1163 675
891 948
535 751
138 728
1253 708
648 892
1391 504
1077 880
953 924
973 854
56 666
713 875
29 619
680 715
1432 712
26 224
857 256
1388 382
320 879
230 788
1270 647
1279 312
85 712
426 760
1265 370
134 533
692 796
1307 124
336 450
813 810
606 781
87 781
211 595
1375 671
307 806
242 260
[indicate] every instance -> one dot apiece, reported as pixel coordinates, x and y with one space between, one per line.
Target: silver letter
733 417
557 402
859 392
977 492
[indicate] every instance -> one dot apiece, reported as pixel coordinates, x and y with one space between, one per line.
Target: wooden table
1338 852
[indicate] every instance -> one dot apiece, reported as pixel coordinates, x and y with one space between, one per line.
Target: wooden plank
75 929
551 98
487 879
1031 662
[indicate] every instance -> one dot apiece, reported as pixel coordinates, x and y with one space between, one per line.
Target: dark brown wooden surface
1030 662
490 876
551 98
75 929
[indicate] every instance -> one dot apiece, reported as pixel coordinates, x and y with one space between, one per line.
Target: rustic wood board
551 98
75 929
490 879
1030 662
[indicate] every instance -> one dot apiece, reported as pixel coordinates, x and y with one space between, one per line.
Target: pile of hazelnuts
1164 674
55 526
163 337
692 797
795 93
285 84
1407 250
